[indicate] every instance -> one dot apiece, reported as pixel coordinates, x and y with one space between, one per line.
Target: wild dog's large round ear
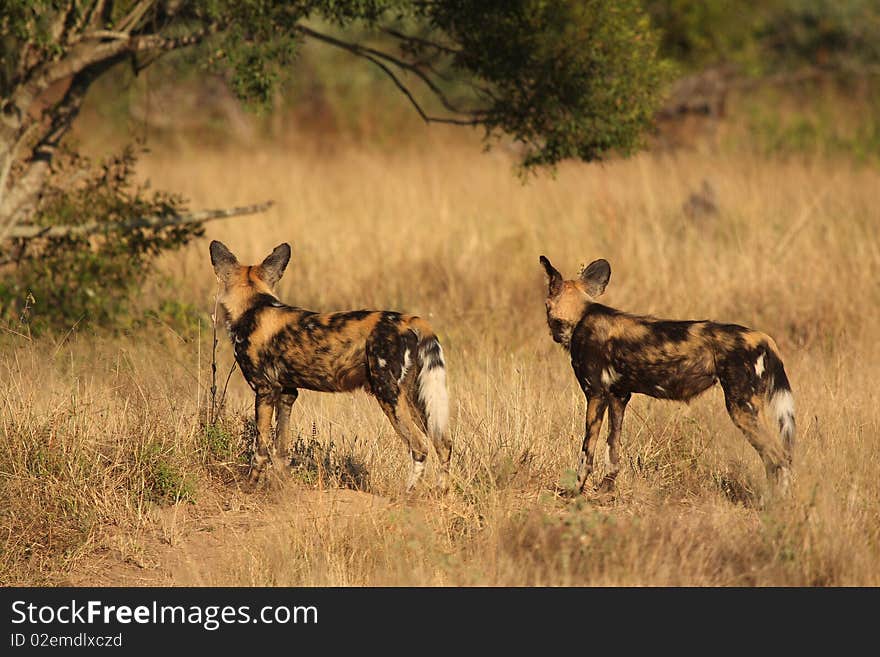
595 277
554 276
275 263
221 258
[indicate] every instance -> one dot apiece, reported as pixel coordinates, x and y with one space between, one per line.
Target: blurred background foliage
791 70
772 36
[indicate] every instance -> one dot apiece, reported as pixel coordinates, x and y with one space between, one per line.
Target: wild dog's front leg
282 421
263 407
595 410
616 409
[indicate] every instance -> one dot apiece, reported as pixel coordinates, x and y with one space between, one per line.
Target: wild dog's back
283 346
326 352
634 354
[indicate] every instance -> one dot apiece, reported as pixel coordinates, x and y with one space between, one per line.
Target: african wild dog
281 349
614 355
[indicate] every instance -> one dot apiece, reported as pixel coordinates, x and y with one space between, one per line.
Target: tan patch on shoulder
272 322
628 328
619 327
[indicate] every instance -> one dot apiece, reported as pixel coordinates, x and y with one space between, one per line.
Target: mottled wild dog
615 354
282 349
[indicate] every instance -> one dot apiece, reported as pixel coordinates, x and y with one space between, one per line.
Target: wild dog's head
239 284
567 300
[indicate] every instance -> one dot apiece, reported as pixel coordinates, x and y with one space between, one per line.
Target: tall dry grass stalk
101 431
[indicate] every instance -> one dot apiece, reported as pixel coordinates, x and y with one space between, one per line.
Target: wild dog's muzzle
558 329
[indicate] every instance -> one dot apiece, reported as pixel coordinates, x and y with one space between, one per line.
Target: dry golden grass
95 430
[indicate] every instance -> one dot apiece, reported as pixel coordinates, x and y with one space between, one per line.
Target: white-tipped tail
432 386
782 408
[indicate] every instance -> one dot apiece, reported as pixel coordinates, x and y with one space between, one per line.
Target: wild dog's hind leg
595 410
400 415
744 414
282 421
616 409
443 445
388 359
442 441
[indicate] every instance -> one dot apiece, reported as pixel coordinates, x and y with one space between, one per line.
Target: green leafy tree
564 78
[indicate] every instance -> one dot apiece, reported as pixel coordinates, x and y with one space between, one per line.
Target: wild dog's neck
599 320
235 307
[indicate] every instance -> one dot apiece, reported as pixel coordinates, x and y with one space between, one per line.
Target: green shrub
164 478
74 279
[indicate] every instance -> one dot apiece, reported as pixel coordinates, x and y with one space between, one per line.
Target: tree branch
85 53
6 166
406 92
88 15
425 43
373 55
160 221
127 23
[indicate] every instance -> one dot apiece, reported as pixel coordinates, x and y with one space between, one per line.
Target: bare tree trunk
11 137
28 138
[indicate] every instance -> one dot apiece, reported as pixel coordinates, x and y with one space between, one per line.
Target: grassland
109 476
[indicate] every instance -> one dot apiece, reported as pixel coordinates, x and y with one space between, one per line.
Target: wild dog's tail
432 395
780 398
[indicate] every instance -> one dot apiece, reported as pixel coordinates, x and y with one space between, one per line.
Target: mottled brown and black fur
282 349
615 354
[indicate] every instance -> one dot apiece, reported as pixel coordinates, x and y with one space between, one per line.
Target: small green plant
222 442
164 478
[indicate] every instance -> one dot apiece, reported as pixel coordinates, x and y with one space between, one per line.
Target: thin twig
401 86
427 43
226 385
213 407
66 335
160 221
